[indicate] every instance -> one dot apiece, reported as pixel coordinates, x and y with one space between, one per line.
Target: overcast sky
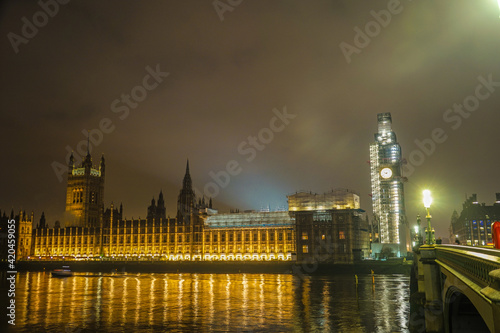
228 69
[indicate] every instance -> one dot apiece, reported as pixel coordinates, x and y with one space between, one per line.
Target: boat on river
62 272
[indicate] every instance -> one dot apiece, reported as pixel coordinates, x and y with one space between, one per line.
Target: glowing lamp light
427 197
416 229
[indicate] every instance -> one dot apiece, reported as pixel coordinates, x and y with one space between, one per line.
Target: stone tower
85 193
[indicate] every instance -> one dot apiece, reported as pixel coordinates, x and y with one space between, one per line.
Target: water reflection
211 302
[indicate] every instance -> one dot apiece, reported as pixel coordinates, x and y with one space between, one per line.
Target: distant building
387 188
5 226
473 224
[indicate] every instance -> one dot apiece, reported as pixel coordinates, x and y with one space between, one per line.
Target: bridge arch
461 313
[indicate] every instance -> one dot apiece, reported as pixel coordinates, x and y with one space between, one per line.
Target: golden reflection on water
210 302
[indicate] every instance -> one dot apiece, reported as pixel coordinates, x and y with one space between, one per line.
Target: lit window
305 249
341 235
304 235
323 237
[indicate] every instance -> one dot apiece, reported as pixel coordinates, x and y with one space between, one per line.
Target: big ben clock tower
387 187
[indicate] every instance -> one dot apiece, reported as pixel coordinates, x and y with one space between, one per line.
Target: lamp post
427 205
417 231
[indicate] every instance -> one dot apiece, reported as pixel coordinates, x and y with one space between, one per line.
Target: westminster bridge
459 288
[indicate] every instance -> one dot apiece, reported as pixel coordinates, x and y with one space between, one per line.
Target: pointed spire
88 143
43 222
187 184
186 201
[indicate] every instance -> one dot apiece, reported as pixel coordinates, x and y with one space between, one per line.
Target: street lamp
418 234
427 205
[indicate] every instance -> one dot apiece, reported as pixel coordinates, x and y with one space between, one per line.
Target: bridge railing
473 262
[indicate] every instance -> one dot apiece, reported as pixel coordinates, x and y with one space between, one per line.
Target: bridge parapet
476 264
461 286
493 290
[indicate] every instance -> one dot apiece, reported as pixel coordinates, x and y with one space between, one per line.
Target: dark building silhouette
187 199
473 225
113 214
157 211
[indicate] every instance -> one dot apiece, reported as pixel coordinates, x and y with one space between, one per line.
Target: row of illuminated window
209 237
78 195
81 253
342 248
305 235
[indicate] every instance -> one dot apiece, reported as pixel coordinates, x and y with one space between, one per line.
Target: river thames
146 302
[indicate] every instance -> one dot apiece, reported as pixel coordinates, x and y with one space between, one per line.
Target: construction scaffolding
339 198
250 220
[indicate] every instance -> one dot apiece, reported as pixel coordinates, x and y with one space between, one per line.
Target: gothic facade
198 232
85 193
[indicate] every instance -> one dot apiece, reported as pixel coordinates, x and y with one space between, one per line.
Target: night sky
228 69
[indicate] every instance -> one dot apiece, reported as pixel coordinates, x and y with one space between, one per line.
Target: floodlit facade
387 185
85 193
239 236
336 230
197 233
250 236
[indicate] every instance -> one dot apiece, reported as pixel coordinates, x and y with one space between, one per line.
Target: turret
42 223
102 166
71 163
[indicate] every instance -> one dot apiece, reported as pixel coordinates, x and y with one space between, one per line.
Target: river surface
145 302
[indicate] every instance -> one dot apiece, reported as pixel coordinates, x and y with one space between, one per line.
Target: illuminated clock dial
386 173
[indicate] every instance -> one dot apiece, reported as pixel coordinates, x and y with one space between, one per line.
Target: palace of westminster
329 227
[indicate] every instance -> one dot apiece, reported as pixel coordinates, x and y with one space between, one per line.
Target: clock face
386 173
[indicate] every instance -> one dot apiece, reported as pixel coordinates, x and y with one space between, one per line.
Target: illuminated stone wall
167 240
24 235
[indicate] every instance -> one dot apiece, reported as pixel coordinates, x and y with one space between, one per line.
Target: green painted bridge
459 288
